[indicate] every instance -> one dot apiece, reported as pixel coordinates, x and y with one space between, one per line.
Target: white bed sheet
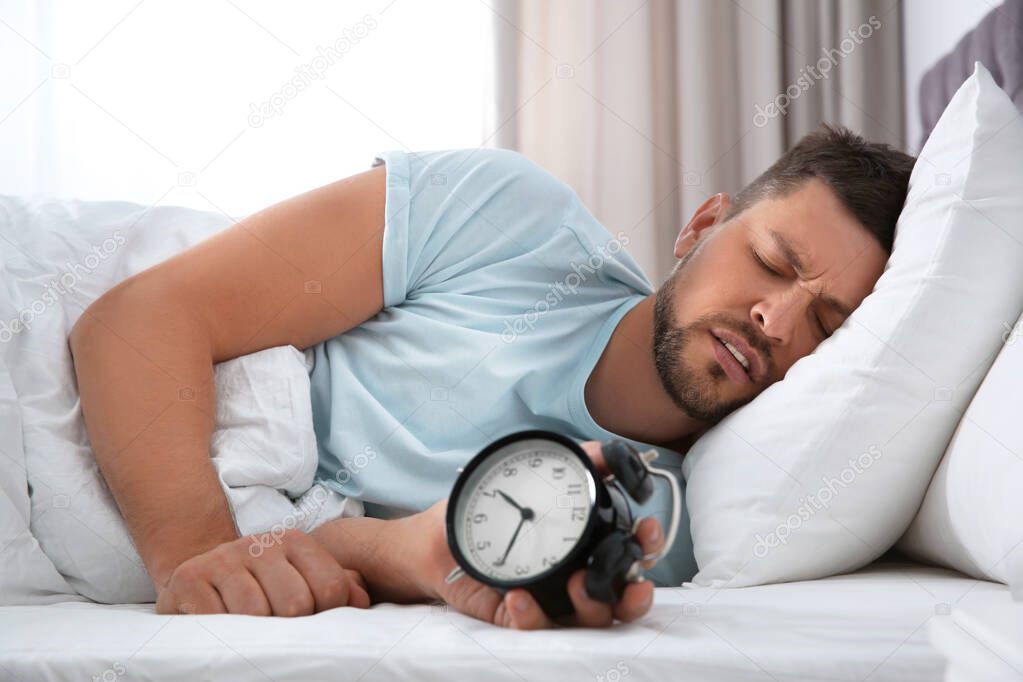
868 625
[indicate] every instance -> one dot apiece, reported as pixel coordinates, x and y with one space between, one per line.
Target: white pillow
28 575
972 516
824 471
262 446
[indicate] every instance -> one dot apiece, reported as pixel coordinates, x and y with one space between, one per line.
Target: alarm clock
531 508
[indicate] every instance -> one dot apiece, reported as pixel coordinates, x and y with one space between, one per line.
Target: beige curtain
647 107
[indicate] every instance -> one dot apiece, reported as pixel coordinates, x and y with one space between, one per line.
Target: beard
694 389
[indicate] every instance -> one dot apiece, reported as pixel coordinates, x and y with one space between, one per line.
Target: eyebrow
794 260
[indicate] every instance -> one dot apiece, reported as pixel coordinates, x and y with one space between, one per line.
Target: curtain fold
648 107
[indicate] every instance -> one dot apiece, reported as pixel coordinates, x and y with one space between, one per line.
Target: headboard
997 42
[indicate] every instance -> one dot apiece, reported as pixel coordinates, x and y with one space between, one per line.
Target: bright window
231 104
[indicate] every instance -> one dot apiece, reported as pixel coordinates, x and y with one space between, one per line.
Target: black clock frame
548 587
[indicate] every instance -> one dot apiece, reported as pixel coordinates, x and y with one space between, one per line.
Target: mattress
868 625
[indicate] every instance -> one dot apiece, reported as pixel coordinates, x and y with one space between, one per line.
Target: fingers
358 593
592 448
203 600
589 612
651 538
199 598
293 577
241 593
327 580
519 610
287 591
635 602
165 603
188 591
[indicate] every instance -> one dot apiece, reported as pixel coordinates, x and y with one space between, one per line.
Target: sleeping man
450 298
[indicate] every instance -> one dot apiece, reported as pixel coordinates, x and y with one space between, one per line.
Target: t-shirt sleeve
452 212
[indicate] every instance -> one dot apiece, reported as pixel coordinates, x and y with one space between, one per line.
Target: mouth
736 356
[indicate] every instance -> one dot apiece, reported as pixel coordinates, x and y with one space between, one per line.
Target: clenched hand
289 575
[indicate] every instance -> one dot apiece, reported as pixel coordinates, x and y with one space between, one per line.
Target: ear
710 213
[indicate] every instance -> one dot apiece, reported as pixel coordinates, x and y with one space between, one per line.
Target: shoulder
483 169
454 212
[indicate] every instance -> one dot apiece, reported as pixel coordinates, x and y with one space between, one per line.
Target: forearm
393 556
147 397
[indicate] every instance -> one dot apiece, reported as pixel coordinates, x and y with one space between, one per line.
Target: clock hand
509 500
527 513
500 562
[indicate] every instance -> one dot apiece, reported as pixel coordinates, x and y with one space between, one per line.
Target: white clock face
523 509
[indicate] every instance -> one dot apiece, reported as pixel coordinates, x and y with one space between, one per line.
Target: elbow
118 313
140 312
103 311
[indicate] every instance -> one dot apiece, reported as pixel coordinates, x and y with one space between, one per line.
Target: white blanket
870 625
60 532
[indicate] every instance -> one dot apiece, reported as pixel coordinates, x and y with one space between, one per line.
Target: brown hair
870 178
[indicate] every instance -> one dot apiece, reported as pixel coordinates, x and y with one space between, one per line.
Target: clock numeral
492 493
535 462
558 472
521 570
578 513
482 544
510 471
550 561
479 518
574 489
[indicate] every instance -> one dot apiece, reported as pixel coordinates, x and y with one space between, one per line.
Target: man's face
772 282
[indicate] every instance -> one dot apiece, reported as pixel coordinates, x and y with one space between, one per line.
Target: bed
872 624
868 625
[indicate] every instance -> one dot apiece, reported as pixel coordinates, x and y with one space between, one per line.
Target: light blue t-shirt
501 292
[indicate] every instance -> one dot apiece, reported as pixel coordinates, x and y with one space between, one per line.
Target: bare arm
299 272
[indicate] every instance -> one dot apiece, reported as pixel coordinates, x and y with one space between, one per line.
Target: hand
518 609
292 575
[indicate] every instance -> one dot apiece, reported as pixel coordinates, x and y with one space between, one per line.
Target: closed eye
764 265
821 328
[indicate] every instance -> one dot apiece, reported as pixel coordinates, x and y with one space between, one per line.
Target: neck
624 394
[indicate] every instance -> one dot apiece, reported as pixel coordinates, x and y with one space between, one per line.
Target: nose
777 316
